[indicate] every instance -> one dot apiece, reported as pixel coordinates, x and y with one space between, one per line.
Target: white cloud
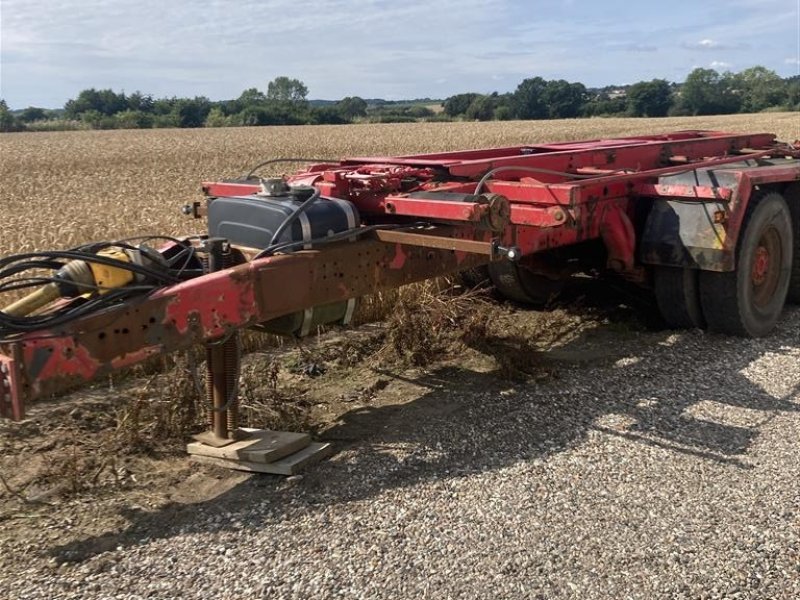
711 44
719 64
372 48
791 61
218 47
704 44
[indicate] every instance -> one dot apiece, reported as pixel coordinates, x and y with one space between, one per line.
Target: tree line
284 103
705 92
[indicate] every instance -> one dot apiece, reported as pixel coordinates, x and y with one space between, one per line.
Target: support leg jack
226 444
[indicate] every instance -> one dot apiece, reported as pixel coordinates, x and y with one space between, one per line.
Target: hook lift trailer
710 221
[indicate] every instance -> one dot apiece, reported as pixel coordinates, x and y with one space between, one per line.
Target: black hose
289 221
76 255
284 160
486 177
11 267
336 237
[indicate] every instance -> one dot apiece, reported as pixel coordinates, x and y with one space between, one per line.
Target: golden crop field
60 189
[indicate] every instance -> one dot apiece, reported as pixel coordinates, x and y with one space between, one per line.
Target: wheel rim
766 269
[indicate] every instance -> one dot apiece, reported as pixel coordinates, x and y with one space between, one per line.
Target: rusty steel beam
211 307
426 240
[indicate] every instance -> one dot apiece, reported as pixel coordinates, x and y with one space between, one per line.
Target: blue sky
51 49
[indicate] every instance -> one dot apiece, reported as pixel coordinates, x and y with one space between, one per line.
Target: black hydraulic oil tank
252 220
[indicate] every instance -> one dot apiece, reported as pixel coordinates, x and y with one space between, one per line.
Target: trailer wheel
678 297
515 282
792 195
748 300
475 278
794 282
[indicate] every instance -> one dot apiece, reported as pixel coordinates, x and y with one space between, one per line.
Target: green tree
111 103
562 99
283 89
649 98
249 97
133 119
141 102
87 100
216 118
603 105
164 106
481 109
419 111
352 107
106 102
793 92
97 120
503 113
167 120
529 100
273 114
191 112
706 92
32 113
760 88
7 120
456 106
729 99
328 115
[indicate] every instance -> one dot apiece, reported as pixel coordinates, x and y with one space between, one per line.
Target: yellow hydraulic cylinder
79 275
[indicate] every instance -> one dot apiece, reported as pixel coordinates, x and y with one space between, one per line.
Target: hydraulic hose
289 221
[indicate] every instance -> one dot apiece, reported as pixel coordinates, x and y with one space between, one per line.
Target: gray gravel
668 470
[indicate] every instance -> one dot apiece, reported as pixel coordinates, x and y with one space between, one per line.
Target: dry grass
64 188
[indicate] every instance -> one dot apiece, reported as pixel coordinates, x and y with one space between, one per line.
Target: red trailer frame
481 203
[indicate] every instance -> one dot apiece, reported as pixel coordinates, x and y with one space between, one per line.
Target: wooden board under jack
289 465
261 446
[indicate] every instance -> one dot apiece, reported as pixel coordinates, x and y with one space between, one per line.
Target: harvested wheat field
64 188
482 450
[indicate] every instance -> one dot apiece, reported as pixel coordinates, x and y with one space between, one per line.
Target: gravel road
662 467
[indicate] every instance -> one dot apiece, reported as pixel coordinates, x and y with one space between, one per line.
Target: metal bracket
511 253
195 210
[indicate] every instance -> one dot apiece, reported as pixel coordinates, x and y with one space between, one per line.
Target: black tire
678 297
748 300
475 278
792 194
515 282
793 294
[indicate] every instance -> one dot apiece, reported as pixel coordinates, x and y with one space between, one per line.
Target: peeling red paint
399 260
